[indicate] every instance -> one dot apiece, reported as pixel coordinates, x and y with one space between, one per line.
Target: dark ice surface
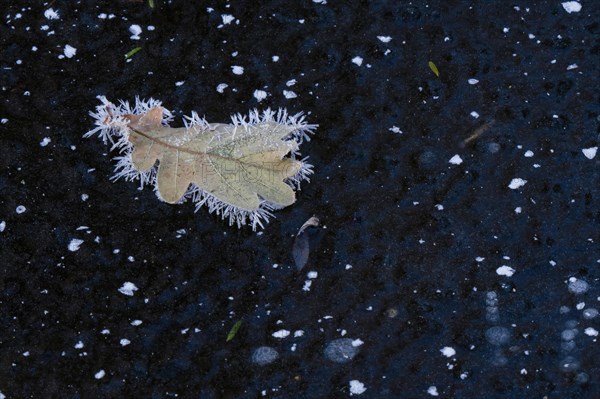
460 214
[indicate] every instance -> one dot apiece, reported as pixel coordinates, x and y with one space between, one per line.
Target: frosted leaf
239 170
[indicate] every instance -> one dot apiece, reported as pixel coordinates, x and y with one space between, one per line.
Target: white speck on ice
20 209
592 332
572 66
528 154
106 331
289 94
571 6
4 121
151 27
78 345
2 226
136 322
505 30
99 374
45 141
357 342
70 51
395 129
227 18
448 351
290 82
180 83
516 183
590 153
2 396
320 1
124 342
260 95
456 160
432 390
357 387
237 70
128 288
281 334
384 39
505 271
473 81
306 286
221 87
357 60
518 210
51 14
312 274
75 244
135 32
439 207
474 114
275 58
298 333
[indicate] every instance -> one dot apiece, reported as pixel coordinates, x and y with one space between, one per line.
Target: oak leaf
239 170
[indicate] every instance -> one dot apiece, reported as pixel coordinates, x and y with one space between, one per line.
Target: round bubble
568 335
590 313
577 286
341 350
582 378
264 355
567 346
497 335
569 364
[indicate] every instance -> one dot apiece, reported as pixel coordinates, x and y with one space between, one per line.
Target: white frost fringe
111 126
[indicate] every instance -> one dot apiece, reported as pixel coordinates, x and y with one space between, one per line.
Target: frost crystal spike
240 170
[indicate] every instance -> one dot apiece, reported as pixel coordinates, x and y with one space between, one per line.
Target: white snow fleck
2 226
84 197
592 332
135 32
106 331
221 87
51 14
448 351
102 15
4 121
2 396
312 274
237 70
384 39
136 322
124 342
571 6
572 66
320 1
474 114
260 95
395 129
290 82
151 27
357 387
78 345
505 271
99 374
128 288
432 390
298 333
75 244
516 183
45 141
289 94
281 334
275 58
590 153
180 83
518 210
306 286
357 60
456 160
528 154
473 81
227 18
70 51
439 207
20 209
357 342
